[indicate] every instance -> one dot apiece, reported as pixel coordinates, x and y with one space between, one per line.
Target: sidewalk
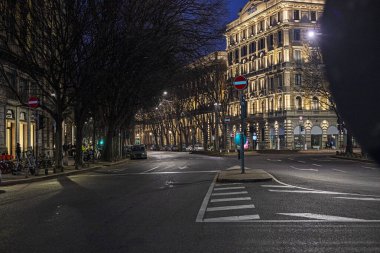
9 179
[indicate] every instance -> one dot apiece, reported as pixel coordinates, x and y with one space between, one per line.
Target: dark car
138 151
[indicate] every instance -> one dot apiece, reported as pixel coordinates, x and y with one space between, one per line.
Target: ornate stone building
265 44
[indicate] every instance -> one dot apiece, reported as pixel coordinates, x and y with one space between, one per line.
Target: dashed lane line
366 167
340 170
308 191
277 186
150 170
227 184
321 217
364 199
303 169
318 165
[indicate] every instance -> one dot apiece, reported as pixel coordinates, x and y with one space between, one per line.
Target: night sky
234 7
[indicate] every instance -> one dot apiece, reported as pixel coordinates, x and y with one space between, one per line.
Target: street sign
33 102
240 83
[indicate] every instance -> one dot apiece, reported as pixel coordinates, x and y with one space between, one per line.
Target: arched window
315 104
298 103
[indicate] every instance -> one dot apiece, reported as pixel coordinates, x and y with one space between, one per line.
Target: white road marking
229 193
277 186
229 199
314 164
229 188
182 168
340 170
303 169
372 168
152 169
308 191
311 190
225 208
233 168
233 218
301 161
364 199
182 172
320 217
274 160
227 184
291 159
202 210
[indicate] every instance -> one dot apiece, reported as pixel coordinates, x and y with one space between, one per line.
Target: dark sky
234 7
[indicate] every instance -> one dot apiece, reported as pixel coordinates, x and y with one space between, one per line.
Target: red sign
33 102
240 83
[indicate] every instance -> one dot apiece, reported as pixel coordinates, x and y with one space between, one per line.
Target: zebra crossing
227 202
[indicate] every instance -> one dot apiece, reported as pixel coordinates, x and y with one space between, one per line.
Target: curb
53 176
353 159
261 176
230 180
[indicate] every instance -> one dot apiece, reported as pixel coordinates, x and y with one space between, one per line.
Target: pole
242 103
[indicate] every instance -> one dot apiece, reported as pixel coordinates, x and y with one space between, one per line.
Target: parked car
189 148
174 148
138 151
198 147
127 150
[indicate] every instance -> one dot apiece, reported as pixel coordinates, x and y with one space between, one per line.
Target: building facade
266 45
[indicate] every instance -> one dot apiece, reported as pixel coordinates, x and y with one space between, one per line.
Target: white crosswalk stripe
214 208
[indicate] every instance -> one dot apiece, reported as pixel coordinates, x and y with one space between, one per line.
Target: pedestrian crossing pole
243 115
241 83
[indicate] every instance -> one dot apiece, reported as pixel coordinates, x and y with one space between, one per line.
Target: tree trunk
58 145
108 152
349 146
78 145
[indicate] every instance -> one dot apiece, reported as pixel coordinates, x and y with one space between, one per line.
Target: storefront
316 137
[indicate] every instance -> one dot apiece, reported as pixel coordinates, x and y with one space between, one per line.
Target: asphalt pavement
171 202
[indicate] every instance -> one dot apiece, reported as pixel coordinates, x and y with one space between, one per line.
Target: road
171 203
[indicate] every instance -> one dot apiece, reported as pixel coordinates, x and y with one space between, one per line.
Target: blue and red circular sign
240 83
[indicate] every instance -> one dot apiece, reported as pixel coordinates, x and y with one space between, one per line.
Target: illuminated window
315 104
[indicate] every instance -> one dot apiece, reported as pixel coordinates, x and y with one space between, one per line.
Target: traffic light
101 142
40 123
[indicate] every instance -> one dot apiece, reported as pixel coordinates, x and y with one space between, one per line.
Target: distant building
265 44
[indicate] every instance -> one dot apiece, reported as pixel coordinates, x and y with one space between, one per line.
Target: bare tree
315 83
40 37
